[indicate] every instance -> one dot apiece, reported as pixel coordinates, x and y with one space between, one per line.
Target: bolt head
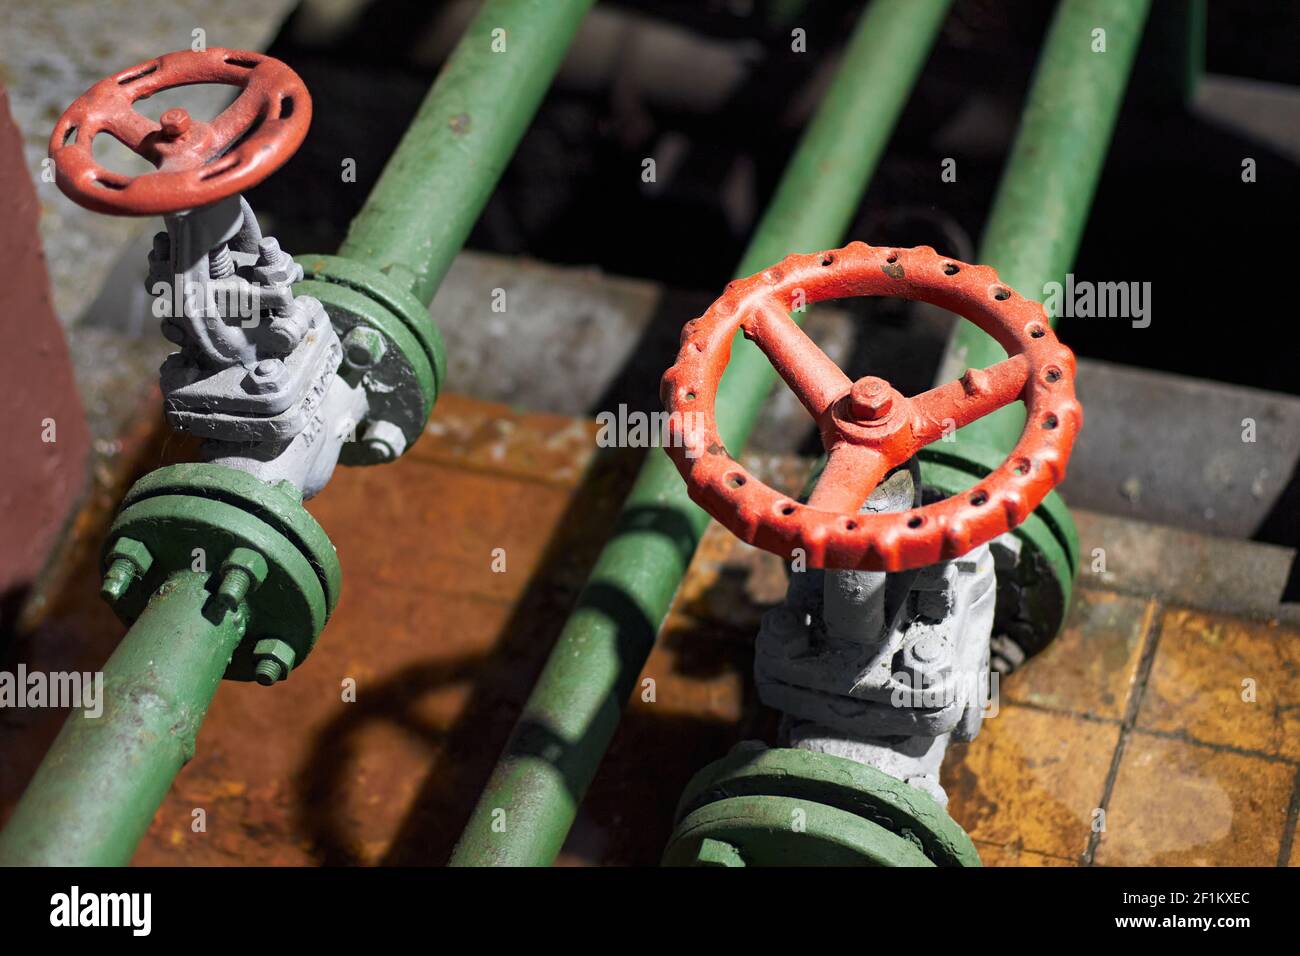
364 346
133 551
265 376
174 122
870 399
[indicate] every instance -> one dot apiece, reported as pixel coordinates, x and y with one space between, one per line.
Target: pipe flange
848 808
208 517
403 381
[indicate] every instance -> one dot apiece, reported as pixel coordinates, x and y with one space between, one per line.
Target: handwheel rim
199 162
760 305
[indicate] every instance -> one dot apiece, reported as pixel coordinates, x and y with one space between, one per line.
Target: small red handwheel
198 163
867 426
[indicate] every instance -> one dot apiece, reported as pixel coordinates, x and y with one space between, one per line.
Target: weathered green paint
827 780
785 831
208 513
574 710
414 363
97 789
1042 202
278 505
435 185
398 302
1031 238
94 794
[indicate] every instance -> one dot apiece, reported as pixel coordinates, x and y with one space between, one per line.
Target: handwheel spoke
851 474
130 128
954 405
232 123
807 370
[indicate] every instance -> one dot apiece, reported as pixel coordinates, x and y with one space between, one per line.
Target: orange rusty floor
1150 732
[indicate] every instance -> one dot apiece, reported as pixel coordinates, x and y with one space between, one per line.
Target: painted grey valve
257 373
883 668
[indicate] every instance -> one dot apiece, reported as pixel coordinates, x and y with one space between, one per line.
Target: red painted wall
41 481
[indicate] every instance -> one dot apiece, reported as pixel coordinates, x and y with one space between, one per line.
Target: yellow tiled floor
1095 758
1032 780
1091 667
1181 804
1226 681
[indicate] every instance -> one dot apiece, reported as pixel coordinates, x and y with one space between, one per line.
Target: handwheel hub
870 399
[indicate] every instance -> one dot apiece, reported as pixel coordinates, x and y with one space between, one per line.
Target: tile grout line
1289 828
1256 613
1179 736
1145 662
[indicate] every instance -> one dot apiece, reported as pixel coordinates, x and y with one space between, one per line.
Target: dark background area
1171 208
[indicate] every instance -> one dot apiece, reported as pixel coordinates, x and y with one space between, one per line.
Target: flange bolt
119 577
127 560
274 660
364 347
384 441
242 571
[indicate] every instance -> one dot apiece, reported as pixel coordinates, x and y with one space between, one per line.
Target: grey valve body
260 374
883 668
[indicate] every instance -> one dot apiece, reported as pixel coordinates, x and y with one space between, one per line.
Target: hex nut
363 346
270 652
131 550
385 440
248 561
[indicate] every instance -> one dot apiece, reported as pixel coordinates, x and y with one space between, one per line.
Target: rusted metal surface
198 163
867 427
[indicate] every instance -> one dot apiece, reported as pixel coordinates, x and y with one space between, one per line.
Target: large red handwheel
198 163
867 426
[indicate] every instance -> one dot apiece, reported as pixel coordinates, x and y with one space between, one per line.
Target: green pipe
532 797
99 786
105 776
434 186
1042 202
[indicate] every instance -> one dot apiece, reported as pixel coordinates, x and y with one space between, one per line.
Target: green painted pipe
95 793
529 804
104 777
434 186
1042 202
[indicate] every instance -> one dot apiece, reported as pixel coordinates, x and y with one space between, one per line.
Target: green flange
783 831
789 807
203 517
1033 601
403 385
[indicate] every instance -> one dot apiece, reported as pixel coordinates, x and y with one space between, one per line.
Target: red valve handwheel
198 163
867 426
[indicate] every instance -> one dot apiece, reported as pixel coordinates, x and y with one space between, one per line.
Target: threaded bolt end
268 671
220 264
121 573
234 587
